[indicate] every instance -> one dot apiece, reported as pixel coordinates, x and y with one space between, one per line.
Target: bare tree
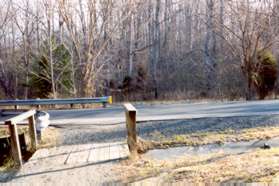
181 49
255 34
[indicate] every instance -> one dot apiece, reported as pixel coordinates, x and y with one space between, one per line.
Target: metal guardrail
37 102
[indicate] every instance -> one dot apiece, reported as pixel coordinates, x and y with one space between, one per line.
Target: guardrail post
16 106
108 101
15 145
131 127
38 106
33 133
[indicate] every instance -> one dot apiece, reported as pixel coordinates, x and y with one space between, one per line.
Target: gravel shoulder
161 130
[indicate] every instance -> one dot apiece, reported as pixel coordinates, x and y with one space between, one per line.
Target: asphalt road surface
151 112
168 111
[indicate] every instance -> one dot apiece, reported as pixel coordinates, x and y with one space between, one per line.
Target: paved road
148 112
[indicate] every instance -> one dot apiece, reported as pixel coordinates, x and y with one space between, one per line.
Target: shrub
265 73
40 80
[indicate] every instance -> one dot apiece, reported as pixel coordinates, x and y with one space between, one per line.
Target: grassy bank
254 166
204 138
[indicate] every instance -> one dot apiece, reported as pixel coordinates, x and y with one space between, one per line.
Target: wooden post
131 127
32 133
15 145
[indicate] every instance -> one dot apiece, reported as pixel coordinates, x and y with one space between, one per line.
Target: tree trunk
26 60
222 7
209 44
88 87
49 27
131 48
14 60
156 47
249 86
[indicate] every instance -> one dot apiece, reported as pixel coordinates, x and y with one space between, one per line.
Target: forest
139 49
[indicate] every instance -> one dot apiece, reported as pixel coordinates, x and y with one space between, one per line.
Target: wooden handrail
129 107
22 117
15 144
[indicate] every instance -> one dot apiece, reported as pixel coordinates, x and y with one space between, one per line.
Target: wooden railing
131 112
15 144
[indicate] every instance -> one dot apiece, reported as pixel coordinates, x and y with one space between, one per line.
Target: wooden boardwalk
68 164
84 153
78 164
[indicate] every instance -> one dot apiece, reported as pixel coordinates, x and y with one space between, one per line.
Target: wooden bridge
82 153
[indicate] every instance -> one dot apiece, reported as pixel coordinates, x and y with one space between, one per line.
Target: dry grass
8 164
203 138
255 166
4 131
50 138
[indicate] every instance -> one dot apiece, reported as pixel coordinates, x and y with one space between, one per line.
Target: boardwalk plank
79 154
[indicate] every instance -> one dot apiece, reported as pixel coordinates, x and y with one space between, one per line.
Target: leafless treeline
140 49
